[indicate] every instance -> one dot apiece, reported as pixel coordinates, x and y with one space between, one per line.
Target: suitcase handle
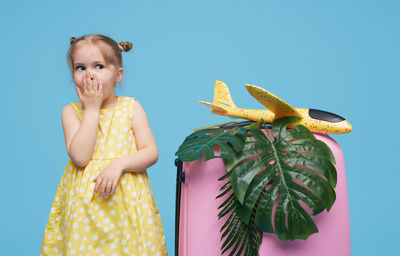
180 179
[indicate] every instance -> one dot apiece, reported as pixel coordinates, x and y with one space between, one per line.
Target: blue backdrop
340 56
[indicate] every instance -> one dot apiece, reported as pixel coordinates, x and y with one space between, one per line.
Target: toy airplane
315 120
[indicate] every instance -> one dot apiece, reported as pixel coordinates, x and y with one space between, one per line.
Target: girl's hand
107 180
91 95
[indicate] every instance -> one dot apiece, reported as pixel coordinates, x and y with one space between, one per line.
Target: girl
104 204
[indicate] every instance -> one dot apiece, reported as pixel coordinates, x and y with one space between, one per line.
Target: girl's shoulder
77 105
73 107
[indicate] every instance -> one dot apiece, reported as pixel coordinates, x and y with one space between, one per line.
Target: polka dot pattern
82 223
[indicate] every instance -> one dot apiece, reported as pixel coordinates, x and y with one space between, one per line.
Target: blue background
339 56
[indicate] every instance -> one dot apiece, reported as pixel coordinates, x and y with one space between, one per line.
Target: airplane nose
347 126
338 125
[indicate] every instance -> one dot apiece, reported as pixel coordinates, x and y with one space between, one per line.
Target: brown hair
112 57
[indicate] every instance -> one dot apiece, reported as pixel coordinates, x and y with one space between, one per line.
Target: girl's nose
90 75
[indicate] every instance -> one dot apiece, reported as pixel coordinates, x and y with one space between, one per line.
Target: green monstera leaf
201 142
273 173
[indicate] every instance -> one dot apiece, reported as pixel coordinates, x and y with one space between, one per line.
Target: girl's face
88 58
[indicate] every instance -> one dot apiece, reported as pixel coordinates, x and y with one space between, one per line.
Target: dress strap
77 105
131 102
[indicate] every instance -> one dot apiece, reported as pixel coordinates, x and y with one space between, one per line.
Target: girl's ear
120 72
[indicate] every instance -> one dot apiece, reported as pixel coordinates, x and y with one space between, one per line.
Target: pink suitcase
197 225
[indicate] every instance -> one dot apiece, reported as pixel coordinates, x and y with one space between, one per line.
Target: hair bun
126 46
72 40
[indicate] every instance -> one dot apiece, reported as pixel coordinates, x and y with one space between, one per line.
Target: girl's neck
109 102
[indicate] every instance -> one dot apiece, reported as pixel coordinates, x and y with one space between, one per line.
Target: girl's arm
147 153
80 137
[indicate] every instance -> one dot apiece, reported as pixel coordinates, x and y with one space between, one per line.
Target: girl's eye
99 66
80 68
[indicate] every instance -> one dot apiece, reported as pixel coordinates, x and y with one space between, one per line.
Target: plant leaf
271 175
202 142
238 236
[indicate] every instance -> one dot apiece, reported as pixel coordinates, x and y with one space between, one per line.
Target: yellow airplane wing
279 107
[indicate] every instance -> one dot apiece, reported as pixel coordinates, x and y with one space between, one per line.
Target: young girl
104 204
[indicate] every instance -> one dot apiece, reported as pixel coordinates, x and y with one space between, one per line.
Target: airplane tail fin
222 99
222 94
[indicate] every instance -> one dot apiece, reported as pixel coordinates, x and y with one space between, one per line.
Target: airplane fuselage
321 122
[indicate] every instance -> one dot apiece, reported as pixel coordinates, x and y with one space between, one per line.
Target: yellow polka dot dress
128 223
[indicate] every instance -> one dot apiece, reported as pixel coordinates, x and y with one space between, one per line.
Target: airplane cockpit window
324 116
